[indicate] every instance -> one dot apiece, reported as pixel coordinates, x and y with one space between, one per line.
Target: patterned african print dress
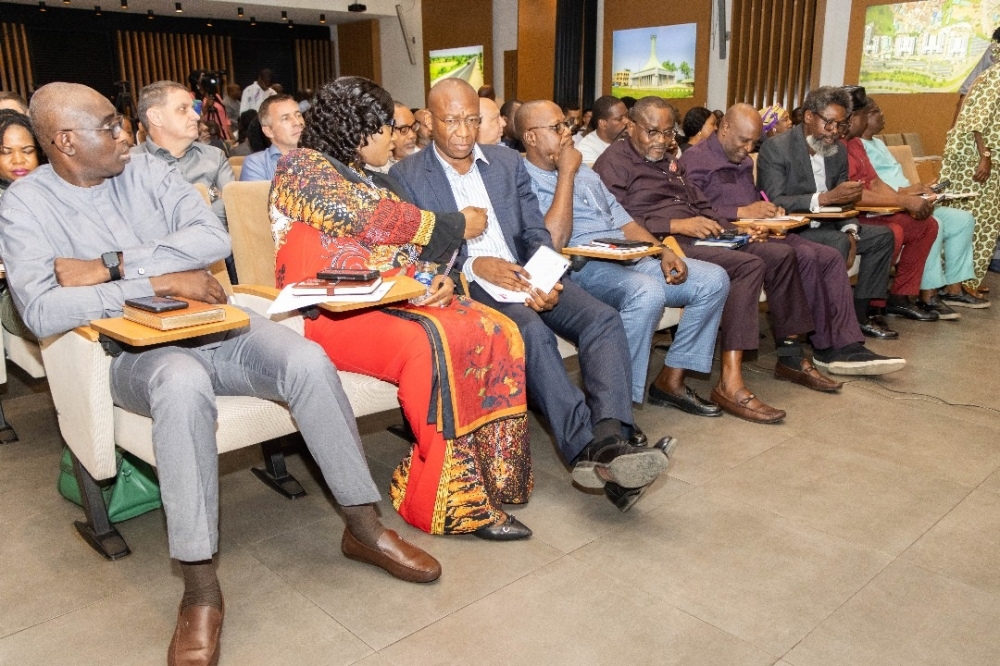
980 113
459 369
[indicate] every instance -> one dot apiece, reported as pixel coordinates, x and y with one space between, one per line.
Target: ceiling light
356 7
253 21
65 2
291 24
41 7
177 8
284 15
322 19
239 12
150 15
124 4
97 10
209 24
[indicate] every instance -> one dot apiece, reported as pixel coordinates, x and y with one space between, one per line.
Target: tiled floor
861 532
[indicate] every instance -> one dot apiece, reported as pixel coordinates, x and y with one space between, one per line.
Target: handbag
135 490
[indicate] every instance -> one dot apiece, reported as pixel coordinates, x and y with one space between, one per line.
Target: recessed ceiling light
177 8
97 10
41 7
253 21
239 12
322 19
150 15
284 15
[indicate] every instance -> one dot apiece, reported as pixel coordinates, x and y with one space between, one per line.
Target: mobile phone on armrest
348 274
157 303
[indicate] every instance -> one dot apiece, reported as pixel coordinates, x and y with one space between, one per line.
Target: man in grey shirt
97 226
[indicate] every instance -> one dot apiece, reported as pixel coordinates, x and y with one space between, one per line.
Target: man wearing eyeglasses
404 136
282 123
592 430
651 186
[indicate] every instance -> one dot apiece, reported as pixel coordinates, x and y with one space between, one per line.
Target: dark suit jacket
785 173
507 183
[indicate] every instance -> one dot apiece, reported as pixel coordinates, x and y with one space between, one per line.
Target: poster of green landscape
928 46
465 62
654 61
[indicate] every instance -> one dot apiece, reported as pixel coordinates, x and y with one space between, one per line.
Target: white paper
545 267
287 301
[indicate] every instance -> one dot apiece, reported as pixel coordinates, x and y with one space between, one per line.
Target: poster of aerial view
465 62
927 46
654 61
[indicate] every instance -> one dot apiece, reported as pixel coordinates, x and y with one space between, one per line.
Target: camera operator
205 88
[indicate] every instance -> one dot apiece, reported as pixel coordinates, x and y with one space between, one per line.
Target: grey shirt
149 213
201 163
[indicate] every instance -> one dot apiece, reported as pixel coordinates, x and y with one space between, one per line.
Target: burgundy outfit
913 237
728 186
654 193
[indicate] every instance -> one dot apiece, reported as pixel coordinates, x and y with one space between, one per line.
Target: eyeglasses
829 123
654 134
472 122
558 128
406 129
116 128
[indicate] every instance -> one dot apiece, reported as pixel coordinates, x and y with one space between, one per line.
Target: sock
789 353
363 523
607 428
861 309
201 586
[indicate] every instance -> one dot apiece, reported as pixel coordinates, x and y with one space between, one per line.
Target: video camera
207 82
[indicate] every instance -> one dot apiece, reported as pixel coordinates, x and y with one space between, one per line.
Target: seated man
282 123
955 226
721 167
805 169
914 230
404 136
579 209
610 118
92 229
491 131
455 172
651 186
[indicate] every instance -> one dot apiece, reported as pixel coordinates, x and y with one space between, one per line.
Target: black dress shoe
690 402
615 460
875 327
623 498
508 530
904 308
638 437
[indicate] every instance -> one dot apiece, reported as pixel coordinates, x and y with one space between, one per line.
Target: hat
859 100
771 115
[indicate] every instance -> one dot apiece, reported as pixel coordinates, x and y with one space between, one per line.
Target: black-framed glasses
471 122
558 128
116 128
653 134
406 129
829 123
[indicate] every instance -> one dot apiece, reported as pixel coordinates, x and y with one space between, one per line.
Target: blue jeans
639 292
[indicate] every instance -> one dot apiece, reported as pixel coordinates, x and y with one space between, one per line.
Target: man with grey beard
805 169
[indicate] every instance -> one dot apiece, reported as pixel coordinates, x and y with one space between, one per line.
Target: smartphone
348 274
941 187
157 303
731 234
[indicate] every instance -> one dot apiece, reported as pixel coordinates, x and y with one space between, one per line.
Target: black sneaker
937 305
855 359
964 299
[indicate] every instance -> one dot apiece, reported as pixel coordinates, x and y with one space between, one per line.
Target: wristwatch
113 264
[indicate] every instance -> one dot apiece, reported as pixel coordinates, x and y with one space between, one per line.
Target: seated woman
699 124
775 120
458 364
19 156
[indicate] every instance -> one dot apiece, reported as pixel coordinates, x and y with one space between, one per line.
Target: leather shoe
808 376
196 636
394 554
747 406
875 327
510 529
638 437
690 402
904 308
615 460
625 498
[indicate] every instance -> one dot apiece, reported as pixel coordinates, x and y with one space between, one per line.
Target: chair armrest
79 375
259 297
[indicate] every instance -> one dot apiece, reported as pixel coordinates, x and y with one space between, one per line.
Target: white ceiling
305 12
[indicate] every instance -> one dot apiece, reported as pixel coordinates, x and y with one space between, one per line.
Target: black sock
201 585
861 309
363 523
789 353
606 428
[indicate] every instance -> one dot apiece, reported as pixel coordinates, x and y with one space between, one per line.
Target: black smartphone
731 234
621 242
157 303
941 187
348 274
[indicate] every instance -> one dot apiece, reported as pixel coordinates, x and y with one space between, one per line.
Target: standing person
592 430
990 57
459 366
968 164
257 92
98 226
231 103
282 123
609 121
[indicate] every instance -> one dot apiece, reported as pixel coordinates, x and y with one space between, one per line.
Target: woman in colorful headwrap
775 120
458 364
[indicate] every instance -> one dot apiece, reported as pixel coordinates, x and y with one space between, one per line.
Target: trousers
912 241
874 248
950 258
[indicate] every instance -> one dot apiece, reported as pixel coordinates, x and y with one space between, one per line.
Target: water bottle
424 275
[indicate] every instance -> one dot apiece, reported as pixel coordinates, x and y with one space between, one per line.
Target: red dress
459 369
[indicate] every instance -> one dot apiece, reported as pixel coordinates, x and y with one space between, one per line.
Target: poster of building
654 61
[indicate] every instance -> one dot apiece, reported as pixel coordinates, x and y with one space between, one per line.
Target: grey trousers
176 386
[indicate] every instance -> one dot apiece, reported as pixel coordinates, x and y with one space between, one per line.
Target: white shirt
591 147
819 173
253 95
469 190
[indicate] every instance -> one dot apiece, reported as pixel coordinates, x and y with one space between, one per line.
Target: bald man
723 170
97 226
491 129
592 430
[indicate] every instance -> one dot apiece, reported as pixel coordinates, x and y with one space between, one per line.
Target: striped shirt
469 190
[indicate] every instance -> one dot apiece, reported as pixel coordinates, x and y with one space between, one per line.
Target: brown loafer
196 637
394 554
747 406
808 376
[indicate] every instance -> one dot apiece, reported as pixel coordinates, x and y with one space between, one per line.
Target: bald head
529 113
493 123
57 106
446 91
455 119
739 132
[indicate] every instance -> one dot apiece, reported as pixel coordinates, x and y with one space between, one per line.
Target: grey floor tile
992 483
569 613
963 545
907 616
821 486
749 572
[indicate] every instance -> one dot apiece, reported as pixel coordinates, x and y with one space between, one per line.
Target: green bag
134 491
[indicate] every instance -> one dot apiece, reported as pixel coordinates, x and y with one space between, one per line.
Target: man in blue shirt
578 208
282 123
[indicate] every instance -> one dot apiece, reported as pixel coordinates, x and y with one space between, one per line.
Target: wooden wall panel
360 50
450 24
145 57
626 14
536 46
15 60
928 114
314 63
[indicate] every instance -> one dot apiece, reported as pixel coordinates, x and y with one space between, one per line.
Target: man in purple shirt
651 186
722 169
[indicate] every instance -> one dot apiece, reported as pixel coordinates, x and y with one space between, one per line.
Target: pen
451 262
764 194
